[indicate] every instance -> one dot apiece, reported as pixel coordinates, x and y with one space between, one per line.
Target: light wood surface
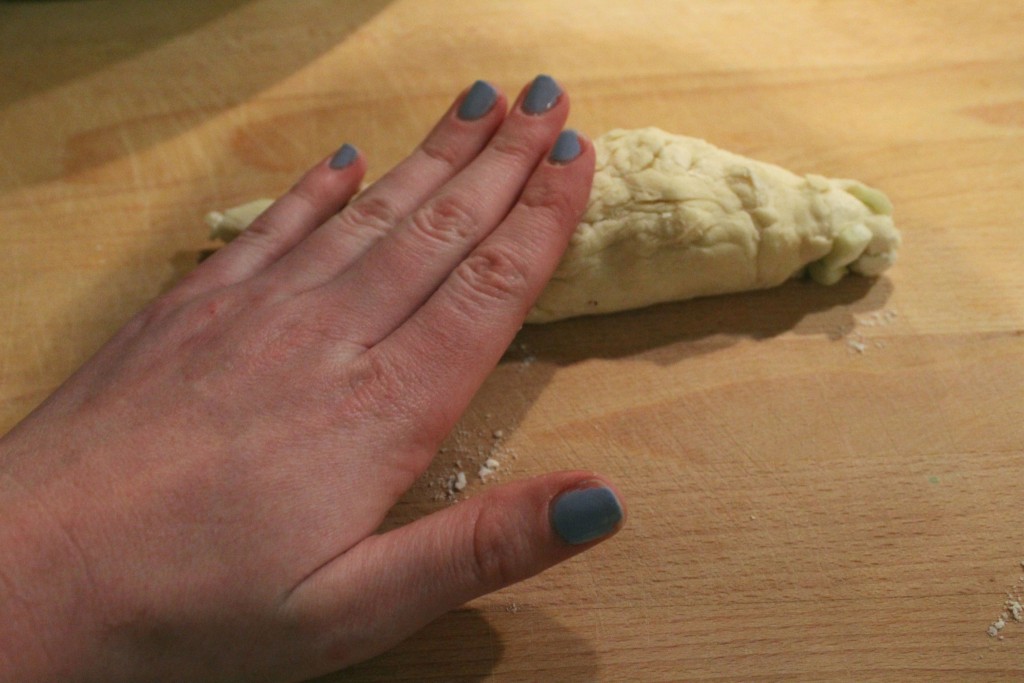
798 509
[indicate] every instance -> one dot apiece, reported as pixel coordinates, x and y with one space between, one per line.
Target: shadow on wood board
464 646
664 335
668 333
113 31
203 54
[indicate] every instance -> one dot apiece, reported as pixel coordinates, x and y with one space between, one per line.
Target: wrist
42 602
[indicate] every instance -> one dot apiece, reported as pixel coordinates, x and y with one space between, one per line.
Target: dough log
672 218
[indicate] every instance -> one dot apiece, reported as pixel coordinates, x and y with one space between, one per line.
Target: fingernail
479 100
582 515
344 156
567 147
542 95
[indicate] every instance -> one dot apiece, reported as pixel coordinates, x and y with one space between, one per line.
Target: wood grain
798 510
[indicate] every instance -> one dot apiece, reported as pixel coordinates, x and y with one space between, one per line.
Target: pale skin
201 500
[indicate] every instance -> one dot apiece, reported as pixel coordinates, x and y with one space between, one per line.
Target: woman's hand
199 501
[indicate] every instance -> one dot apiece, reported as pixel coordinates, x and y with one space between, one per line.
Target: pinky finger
321 193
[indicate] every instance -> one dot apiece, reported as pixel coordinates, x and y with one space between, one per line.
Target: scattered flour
1013 610
855 340
479 441
486 447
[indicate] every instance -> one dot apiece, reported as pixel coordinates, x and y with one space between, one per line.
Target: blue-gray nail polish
479 100
344 156
567 147
582 515
542 95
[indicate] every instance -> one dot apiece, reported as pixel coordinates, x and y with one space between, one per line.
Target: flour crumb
489 467
526 358
454 484
878 318
512 607
451 485
856 343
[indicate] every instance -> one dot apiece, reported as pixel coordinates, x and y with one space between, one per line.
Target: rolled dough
672 217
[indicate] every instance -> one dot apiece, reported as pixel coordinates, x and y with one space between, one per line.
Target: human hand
199 501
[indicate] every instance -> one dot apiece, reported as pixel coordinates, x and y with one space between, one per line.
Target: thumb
397 582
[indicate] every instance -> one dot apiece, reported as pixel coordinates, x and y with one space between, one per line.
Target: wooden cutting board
823 483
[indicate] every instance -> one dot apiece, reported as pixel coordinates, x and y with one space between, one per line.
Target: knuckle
314 191
441 151
553 203
376 385
492 274
496 557
261 236
518 148
447 219
158 311
199 329
372 212
273 335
